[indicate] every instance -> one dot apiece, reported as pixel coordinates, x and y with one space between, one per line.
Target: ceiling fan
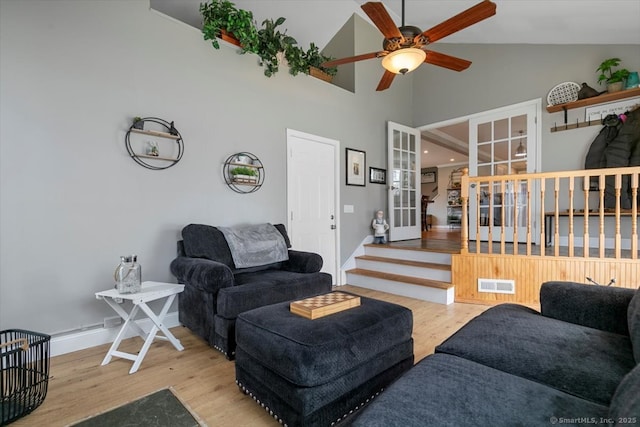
403 47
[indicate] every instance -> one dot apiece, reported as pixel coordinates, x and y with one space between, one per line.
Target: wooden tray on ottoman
324 305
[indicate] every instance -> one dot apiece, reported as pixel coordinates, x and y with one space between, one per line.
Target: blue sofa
576 362
216 291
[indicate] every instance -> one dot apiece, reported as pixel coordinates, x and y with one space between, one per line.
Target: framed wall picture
377 176
428 177
356 167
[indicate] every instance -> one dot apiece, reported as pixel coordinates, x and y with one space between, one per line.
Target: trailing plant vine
268 42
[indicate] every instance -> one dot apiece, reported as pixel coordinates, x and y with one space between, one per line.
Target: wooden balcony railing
549 214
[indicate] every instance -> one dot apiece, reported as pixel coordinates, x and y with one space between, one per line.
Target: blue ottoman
318 372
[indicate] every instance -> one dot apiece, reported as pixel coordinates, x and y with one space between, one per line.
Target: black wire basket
24 372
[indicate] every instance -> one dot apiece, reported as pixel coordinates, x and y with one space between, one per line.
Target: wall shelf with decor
600 99
147 152
243 172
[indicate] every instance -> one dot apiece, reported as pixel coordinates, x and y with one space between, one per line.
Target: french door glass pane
501 129
485 170
500 151
484 132
484 152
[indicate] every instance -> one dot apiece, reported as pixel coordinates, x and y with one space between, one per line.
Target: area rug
159 409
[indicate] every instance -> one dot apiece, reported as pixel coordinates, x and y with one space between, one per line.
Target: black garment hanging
595 156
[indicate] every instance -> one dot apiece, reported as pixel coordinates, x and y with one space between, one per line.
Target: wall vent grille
497 286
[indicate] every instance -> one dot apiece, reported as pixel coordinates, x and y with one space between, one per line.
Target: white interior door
312 197
403 146
504 142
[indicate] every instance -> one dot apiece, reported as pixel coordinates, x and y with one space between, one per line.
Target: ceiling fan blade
350 59
385 81
380 17
461 21
446 61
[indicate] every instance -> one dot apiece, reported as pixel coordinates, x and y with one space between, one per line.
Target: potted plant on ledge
315 59
221 19
615 79
309 62
138 123
273 45
244 175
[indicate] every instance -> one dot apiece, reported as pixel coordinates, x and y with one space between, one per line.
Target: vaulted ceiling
516 21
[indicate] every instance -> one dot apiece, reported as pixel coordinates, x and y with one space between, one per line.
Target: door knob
333 227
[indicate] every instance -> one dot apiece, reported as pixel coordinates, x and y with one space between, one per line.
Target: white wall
73 74
502 75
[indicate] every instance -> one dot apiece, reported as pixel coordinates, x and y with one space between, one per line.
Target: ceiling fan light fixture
404 61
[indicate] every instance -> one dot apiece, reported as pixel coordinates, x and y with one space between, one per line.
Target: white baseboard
69 343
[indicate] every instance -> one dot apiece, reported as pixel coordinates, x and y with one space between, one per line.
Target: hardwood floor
202 378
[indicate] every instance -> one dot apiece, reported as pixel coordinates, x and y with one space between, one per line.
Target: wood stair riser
440 296
405 270
423 256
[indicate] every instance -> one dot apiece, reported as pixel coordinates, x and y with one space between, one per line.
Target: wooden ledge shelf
247 165
601 99
156 133
145 156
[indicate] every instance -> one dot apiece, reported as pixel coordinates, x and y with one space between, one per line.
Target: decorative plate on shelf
563 93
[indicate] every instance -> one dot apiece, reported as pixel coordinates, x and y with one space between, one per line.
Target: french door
403 147
503 142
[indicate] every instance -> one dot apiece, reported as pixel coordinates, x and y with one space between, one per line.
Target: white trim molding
68 343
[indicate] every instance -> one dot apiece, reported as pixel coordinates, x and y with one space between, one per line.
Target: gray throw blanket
255 245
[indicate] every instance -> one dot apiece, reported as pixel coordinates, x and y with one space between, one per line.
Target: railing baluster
570 216
515 193
478 191
529 183
585 236
601 241
634 215
464 192
618 238
502 217
543 219
491 219
556 236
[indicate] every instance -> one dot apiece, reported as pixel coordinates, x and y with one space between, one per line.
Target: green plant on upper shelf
271 43
268 42
296 60
315 58
613 76
242 170
300 61
221 15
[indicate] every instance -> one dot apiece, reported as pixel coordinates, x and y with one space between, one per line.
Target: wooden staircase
413 272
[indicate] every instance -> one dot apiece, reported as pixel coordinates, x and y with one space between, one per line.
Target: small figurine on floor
380 227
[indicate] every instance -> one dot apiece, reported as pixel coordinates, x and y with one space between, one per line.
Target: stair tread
422 264
400 278
443 248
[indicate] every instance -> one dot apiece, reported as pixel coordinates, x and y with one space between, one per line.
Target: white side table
151 291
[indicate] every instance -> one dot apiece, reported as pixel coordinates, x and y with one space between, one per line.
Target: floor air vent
497 286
